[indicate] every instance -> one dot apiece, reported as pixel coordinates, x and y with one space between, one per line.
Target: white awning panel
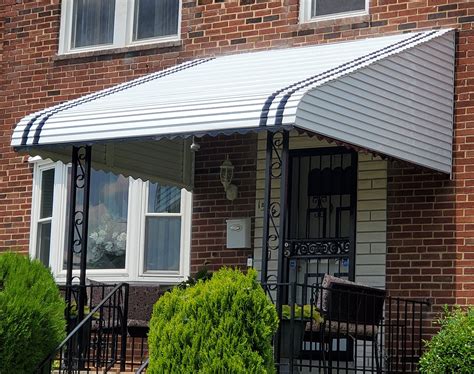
392 95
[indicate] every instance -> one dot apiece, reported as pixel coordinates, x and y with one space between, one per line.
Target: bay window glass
43 241
108 209
155 18
92 23
163 228
163 199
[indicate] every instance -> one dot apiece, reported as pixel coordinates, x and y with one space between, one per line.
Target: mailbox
238 233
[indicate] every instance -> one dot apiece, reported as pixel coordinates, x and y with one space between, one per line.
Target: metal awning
392 95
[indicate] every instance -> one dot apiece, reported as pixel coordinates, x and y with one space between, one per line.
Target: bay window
88 25
138 231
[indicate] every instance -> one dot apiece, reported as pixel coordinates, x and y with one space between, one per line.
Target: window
45 214
137 230
155 18
162 228
313 10
88 25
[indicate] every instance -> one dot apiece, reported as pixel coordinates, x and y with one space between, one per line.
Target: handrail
143 366
80 325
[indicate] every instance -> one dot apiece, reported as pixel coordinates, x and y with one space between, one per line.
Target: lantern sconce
226 174
194 146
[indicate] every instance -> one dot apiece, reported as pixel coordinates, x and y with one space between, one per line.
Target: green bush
306 311
452 349
31 314
223 325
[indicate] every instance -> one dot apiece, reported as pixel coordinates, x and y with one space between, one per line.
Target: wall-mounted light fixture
227 173
194 146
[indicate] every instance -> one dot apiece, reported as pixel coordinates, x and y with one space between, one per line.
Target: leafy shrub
31 314
306 311
452 349
223 325
202 275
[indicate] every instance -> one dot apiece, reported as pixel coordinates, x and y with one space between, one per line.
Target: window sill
124 277
113 51
336 21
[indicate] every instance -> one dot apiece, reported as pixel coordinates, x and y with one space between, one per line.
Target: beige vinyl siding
371 220
371 211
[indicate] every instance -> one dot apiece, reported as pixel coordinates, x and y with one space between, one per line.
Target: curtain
325 7
162 243
93 22
155 18
108 210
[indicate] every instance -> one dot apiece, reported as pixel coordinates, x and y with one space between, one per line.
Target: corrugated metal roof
392 95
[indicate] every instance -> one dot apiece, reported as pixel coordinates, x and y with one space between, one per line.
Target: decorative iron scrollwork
78 222
317 247
277 144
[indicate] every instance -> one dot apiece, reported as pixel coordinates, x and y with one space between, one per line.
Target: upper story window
314 10
137 230
88 25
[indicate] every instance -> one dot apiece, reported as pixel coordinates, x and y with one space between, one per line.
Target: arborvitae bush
223 325
452 349
31 314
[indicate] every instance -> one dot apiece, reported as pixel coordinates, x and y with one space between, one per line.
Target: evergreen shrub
222 325
31 314
452 349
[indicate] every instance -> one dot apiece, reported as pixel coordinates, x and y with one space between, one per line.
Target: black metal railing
143 367
99 341
349 328
137 351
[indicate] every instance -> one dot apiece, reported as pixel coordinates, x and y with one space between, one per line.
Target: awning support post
274 220
275 204
77 236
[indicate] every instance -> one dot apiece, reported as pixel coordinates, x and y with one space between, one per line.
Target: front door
321 232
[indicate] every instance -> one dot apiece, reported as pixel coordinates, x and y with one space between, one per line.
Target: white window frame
123 29
134 257
305 13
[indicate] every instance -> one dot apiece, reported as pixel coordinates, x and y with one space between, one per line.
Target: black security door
322 215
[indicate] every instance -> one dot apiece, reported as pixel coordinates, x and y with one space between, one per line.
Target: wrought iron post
274 216
283 204
123 342
77 235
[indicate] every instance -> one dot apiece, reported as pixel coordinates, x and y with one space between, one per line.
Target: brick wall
33 78
211 208
430 217
421 238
